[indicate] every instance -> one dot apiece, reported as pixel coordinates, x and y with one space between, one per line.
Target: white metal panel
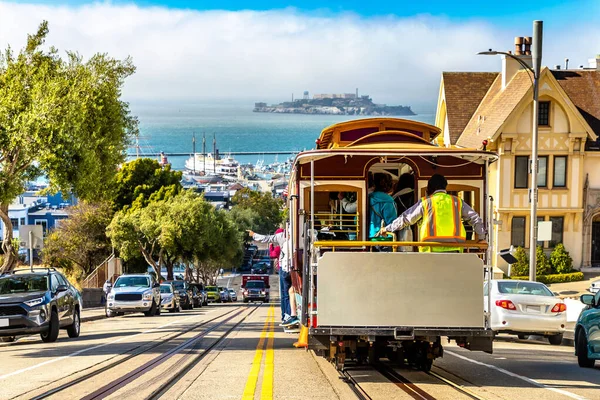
400 289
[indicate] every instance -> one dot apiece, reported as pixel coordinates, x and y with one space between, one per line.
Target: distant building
260 105
335 96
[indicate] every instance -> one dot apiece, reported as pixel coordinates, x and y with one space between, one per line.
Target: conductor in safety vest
440 215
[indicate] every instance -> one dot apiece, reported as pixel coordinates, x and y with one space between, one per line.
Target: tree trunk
150 260
10 257
169 266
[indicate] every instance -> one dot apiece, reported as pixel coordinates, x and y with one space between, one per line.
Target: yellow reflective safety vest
442 222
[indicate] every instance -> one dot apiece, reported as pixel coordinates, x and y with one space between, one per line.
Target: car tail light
559 307
506 304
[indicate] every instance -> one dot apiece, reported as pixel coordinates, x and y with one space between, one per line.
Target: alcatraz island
333 104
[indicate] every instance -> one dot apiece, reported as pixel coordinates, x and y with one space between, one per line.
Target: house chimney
511 66
527 46
566 63
557 66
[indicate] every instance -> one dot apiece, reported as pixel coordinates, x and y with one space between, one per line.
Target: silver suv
134 293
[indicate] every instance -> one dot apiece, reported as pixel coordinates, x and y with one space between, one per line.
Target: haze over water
169 128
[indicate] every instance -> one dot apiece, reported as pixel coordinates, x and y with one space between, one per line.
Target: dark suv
186 294
39 301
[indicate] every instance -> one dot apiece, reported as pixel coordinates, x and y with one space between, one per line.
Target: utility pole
536 53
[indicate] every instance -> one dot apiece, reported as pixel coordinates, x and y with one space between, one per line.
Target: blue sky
265 50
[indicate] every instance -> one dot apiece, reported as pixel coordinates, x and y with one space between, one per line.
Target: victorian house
477 109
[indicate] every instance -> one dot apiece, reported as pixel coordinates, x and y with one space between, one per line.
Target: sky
227 50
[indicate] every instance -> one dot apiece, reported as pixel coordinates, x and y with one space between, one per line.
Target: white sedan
595 287
526 308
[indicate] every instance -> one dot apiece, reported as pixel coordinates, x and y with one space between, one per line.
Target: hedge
555 278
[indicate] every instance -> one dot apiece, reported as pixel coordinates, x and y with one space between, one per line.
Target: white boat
206 164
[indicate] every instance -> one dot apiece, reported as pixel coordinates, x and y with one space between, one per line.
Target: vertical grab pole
312 235
490 249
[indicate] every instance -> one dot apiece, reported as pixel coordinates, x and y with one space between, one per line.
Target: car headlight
111 296
147 296
35 302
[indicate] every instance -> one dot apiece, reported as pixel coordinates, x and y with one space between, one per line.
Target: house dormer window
544 113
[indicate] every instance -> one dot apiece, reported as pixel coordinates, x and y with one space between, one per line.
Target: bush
561 261
542 264
554 278
521 267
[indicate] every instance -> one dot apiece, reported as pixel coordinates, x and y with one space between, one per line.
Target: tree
245 219
62 119
561 260
267 208
143 180
521 267
542 264
80 243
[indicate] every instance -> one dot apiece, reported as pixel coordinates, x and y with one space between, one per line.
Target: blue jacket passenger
381 204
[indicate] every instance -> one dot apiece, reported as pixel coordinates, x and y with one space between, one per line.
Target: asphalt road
239 352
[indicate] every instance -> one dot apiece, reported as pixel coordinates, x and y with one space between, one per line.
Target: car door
68 297
593 323
59 298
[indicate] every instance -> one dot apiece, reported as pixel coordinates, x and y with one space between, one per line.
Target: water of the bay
169 128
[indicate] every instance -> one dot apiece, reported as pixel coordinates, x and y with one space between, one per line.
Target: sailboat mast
194 150
214 153
203 152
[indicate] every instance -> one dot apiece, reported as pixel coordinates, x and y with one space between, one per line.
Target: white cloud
185 54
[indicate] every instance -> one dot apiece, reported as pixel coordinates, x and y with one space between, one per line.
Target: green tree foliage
143 180
182 228
268 209
80 243
561 261
245 219
521 267
59 118
542 263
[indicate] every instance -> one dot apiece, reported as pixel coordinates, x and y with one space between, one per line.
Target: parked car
526 308
186 294
587 331
169 298
201 298
212 293
594 287
224 293
42 301
232 294
255 291
134 293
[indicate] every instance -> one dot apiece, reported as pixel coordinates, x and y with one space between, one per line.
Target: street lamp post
533 194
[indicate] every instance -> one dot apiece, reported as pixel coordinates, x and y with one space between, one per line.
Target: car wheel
556 340
522 336
157 310
582 352
52 333
205 303
8 339
172 310
74 329
151 311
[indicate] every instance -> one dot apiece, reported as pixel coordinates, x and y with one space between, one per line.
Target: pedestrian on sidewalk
288 300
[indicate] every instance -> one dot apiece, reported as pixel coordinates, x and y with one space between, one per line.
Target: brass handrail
394 244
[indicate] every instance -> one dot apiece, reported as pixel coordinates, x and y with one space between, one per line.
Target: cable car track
135 352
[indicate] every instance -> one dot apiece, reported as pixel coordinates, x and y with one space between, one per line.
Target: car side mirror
587 299
156 285
61 288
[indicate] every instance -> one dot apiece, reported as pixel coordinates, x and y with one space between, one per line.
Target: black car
39 301
200 299
260 268
186 294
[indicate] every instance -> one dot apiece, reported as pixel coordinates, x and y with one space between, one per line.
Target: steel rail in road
410 388
123 381
136 352
156 394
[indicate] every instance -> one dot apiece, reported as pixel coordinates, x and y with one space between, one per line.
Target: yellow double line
268 333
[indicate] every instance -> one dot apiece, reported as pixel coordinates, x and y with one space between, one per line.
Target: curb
93 318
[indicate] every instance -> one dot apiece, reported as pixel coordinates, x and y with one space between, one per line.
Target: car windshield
135 281
177 284
531 288
23 284
211 289
255 285
166 289
231 290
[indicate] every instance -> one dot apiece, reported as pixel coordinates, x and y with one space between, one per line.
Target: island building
497 108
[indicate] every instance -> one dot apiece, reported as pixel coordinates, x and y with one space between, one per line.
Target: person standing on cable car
382 209
441 216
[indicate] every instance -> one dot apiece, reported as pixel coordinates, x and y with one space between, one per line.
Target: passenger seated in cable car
441 216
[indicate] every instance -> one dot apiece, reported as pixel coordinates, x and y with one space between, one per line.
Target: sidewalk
92 314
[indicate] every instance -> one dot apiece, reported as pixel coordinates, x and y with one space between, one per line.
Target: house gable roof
583 88
463 92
